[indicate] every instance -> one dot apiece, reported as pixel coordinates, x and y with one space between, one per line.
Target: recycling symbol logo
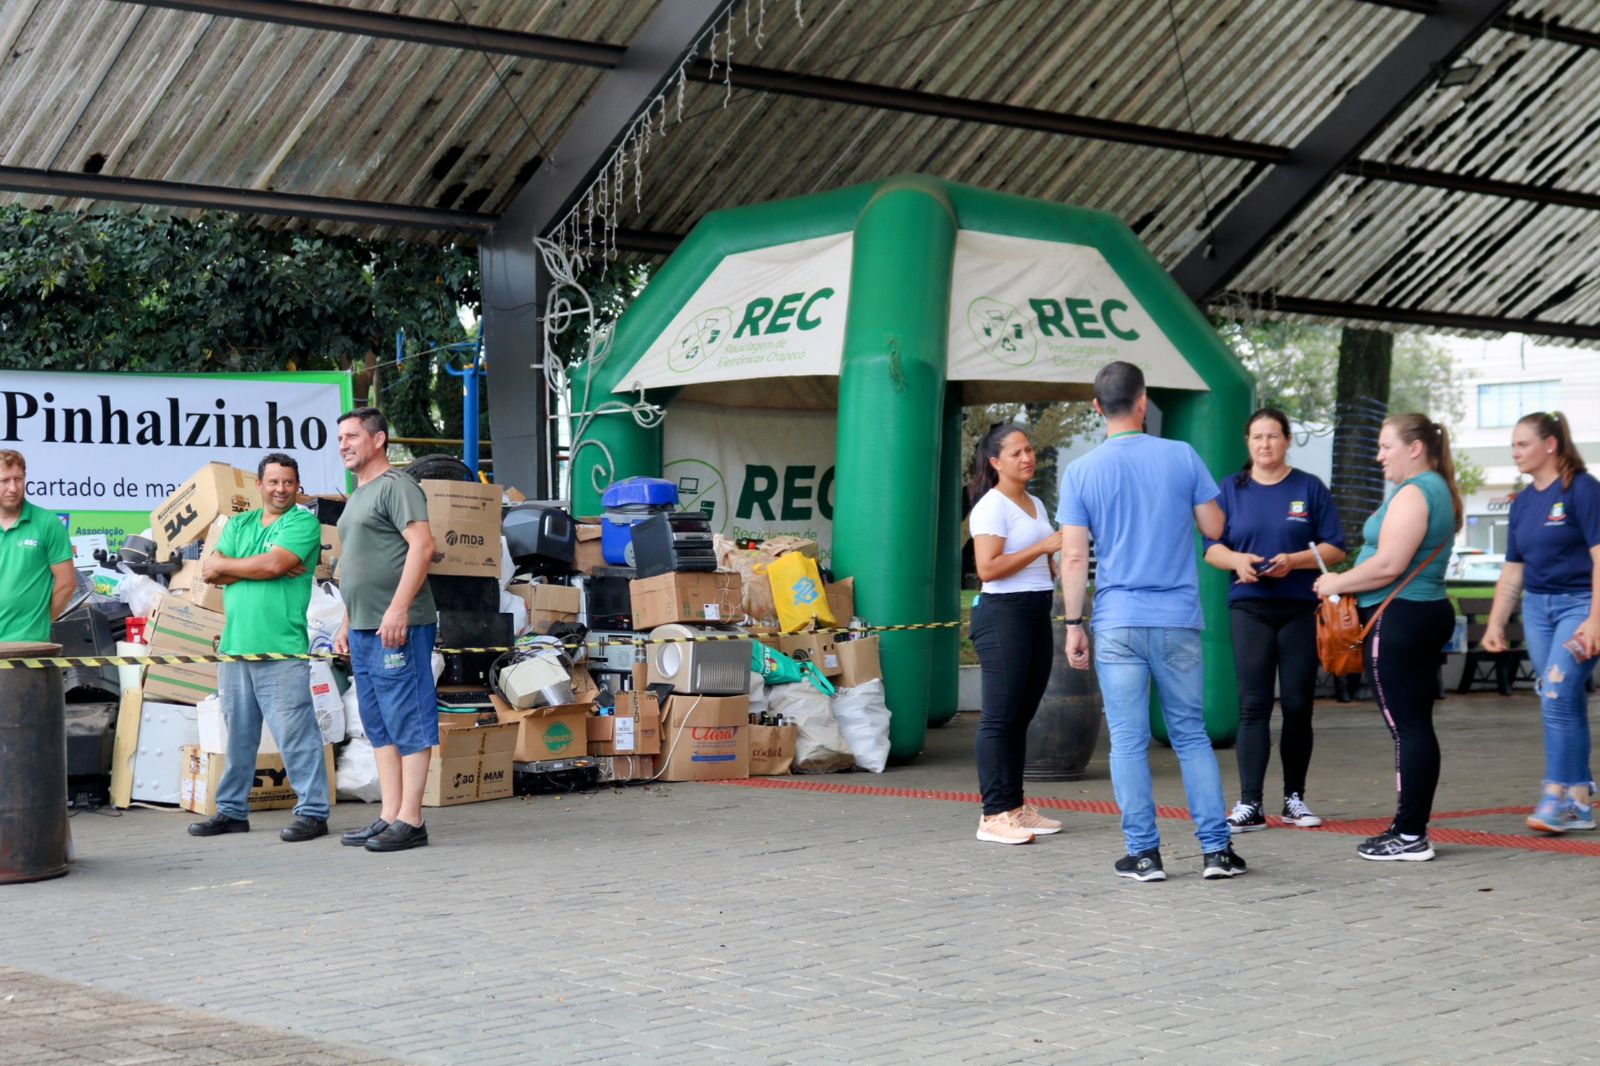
699 339
1002 331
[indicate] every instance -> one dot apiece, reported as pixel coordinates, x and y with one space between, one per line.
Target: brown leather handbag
1340 633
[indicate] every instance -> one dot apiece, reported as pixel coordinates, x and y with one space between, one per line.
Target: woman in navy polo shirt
1275 513
1553 563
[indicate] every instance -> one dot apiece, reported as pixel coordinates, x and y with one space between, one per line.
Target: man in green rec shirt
264 559
35 558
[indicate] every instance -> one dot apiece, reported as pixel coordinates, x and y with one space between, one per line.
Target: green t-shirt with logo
264 617
27 552
373 551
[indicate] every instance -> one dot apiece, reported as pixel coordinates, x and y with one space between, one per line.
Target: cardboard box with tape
812 647
178 627
633 727
216 489
546 733
465 519
686 596
705 738
858 662
202 773
470 765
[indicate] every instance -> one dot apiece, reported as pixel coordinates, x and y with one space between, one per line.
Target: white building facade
1501 380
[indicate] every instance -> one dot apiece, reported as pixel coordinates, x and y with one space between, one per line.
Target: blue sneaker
1550 816
1579 815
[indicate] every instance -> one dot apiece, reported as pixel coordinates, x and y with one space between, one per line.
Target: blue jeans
1126 661
280 692
1548 621
395 689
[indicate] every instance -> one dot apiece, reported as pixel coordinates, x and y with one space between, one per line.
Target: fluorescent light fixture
1460 74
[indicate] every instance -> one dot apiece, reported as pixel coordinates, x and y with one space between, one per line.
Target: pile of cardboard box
161 753
614 723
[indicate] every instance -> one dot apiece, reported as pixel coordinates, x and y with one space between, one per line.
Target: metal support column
513 286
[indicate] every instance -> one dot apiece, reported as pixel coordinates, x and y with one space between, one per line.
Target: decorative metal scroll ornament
569 306
590 227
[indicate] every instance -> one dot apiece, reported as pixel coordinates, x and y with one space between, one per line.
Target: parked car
1474 566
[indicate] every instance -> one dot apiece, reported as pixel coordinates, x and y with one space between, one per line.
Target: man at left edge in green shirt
35 558
264 560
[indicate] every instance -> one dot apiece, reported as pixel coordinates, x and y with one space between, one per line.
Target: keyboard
470 697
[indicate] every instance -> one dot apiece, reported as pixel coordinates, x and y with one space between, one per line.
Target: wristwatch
1075 621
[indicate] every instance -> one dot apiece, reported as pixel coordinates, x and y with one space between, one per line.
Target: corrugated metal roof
146 92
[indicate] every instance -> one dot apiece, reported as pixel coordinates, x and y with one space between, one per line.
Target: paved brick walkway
750 924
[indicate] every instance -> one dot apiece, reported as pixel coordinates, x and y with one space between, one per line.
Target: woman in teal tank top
1408 536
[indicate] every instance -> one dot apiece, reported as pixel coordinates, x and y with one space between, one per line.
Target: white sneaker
1296 813
1003 829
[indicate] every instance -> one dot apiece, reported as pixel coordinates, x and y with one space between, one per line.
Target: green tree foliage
112 292
1297 367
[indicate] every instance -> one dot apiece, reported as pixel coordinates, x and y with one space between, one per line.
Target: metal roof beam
441 33
1301 305
437 32
986 112
67 184
1544 29
1333 145
512 274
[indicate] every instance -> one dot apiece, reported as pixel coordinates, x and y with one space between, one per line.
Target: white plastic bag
357 775
758 694
820 748
517 608
352 713
213 727
863 719
325 699
140 593
324 616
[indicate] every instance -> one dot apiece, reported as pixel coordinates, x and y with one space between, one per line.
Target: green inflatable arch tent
895 303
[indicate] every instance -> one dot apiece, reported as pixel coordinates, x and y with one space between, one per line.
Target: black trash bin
1064 732
33 768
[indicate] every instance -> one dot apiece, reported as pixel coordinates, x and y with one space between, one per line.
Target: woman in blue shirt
1404 542
1274 515
1553 565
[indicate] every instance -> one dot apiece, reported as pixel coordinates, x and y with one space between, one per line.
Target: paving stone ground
725 923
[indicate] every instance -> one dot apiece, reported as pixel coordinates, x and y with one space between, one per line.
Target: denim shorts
394 687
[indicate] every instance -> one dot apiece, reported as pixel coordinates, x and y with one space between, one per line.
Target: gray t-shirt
372 551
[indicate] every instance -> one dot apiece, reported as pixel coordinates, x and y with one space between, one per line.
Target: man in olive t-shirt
264 561
35 559
390 627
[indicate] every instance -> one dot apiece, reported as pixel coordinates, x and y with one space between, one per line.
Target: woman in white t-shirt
1012 541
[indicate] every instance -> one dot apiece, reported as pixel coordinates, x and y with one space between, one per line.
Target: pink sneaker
1003 829
1030 819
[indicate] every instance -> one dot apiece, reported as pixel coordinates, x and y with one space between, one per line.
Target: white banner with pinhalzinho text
104 449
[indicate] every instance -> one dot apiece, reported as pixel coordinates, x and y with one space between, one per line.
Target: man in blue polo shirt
35 558
1141 497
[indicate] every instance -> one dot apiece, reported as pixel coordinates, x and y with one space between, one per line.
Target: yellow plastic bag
798 594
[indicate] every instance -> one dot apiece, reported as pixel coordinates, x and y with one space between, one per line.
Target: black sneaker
218 824
400 836
1145 866
1246 818
1223 863
355 838
1296 813
1389 847
304 828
